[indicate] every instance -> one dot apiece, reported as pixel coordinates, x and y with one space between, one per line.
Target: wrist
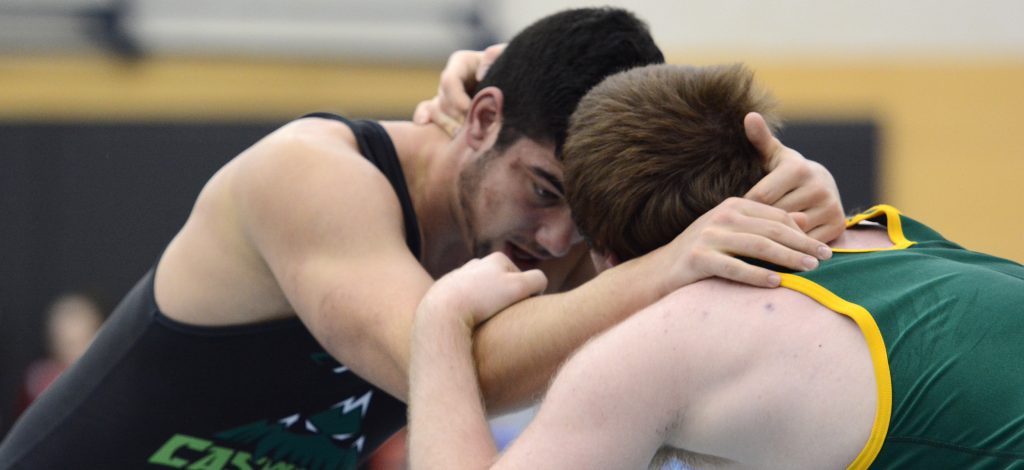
652 266
437 325
442 311
668 267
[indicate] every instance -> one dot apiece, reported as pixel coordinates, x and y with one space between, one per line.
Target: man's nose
558 234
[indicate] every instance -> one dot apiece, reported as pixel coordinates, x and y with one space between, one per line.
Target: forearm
520 349
445 403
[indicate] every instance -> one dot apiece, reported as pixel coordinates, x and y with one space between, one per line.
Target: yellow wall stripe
947 144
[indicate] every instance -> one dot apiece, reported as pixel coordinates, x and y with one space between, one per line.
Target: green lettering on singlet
165 454
216 459
241 461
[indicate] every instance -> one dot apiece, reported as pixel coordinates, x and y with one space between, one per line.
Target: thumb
490 55
422 113
534 281
760 136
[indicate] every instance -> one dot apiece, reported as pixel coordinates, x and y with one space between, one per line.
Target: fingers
733 209
801 221
528 282
452 98
809 189
743 228
446 123
449 107
736 270
825 222
827 232
533 282
795 184
800 199
422 113
429 111
787 168
501 260
490 55
792 170
787 249
459 74
495 282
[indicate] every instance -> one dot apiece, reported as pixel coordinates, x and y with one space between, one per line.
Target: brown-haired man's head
653 148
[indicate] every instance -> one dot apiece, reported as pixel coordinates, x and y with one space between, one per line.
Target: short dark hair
550 65
652 149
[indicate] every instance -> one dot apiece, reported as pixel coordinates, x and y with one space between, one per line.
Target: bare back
783 372
718 375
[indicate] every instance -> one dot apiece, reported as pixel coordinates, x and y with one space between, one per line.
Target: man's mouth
521 257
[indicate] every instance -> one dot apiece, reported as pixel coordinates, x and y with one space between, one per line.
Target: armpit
668 454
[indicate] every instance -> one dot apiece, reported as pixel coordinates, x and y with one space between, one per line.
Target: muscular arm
329 227
595 416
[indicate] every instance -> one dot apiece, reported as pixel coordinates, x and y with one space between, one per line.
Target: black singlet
155 393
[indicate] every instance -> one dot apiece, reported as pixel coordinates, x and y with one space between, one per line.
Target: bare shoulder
763 375
740 376
301 192
314 130
307 201
311 169
299 146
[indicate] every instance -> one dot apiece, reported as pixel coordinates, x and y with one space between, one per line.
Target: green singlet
945 327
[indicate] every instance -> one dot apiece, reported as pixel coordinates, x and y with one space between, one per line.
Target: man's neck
863 236
431 162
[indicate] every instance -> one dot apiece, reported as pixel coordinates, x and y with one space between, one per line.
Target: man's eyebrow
549 178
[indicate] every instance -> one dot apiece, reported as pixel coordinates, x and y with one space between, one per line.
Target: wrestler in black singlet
155 393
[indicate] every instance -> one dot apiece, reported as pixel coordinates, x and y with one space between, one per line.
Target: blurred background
113 113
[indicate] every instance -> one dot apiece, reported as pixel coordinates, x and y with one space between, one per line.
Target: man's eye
543 193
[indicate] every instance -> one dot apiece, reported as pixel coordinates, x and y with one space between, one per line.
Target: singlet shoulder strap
376 146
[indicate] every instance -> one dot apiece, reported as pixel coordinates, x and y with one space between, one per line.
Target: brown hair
652 148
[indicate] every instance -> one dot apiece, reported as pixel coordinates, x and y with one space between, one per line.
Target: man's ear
483 121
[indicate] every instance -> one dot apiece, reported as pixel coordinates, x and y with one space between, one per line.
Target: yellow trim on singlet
867 325
879 359
895 229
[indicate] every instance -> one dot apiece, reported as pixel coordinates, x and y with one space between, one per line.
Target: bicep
329 228
611 406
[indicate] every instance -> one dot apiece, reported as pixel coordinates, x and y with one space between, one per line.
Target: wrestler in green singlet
945 327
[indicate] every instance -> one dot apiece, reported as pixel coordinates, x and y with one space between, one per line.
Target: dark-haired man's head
548 67
520 113
652 149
